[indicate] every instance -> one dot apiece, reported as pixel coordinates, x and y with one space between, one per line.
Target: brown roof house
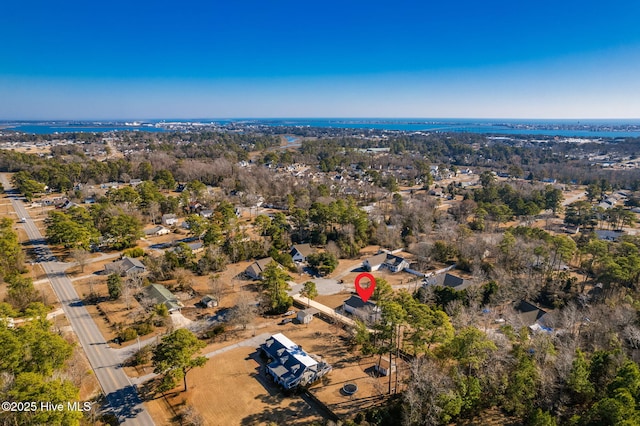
256 269
299 252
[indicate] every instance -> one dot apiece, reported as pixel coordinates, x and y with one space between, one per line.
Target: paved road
121 395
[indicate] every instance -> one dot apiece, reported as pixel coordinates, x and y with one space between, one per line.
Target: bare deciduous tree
81 257
244 311
217 287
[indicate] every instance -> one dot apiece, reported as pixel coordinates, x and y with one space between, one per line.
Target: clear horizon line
314 118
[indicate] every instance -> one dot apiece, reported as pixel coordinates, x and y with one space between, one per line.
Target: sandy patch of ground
260 402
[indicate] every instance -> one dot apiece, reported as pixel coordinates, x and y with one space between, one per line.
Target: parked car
286 314
285 321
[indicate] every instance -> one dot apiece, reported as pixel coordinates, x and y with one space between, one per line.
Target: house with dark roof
209 301
125 266
368 311
385 260
161 295
299 252
606 235
453 281
289 365
256 269
530 315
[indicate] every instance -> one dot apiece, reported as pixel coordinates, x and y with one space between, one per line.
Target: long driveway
122 396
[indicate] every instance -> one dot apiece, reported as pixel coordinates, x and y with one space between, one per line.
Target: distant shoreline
588 128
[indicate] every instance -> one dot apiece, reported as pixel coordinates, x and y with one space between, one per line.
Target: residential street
121 394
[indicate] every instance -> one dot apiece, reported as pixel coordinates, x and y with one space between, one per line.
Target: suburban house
289 365
161 295
169 219
299 252
206 213
450 280
196 247
305 316
256 268
209 301
385 367
531 315
606 235
357 307
156 231
125 266
385 260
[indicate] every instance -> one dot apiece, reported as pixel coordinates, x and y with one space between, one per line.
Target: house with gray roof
453 281
385 260
125 266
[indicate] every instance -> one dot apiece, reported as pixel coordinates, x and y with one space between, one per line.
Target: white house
157 231
385 260
169 219
357 307
290 366
299 252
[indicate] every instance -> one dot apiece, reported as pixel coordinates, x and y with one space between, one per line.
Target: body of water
563 128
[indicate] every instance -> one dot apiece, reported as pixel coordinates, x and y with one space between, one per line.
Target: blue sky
280 58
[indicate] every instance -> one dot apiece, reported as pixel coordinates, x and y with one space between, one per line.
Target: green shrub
144 328
128 334
133 252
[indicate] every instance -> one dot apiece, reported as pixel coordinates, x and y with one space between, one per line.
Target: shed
305 316
385 367
209 301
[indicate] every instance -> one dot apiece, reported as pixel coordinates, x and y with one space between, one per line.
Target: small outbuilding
305 316
209 301
385 367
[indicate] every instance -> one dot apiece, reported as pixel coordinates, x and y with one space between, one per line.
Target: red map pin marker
365 293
